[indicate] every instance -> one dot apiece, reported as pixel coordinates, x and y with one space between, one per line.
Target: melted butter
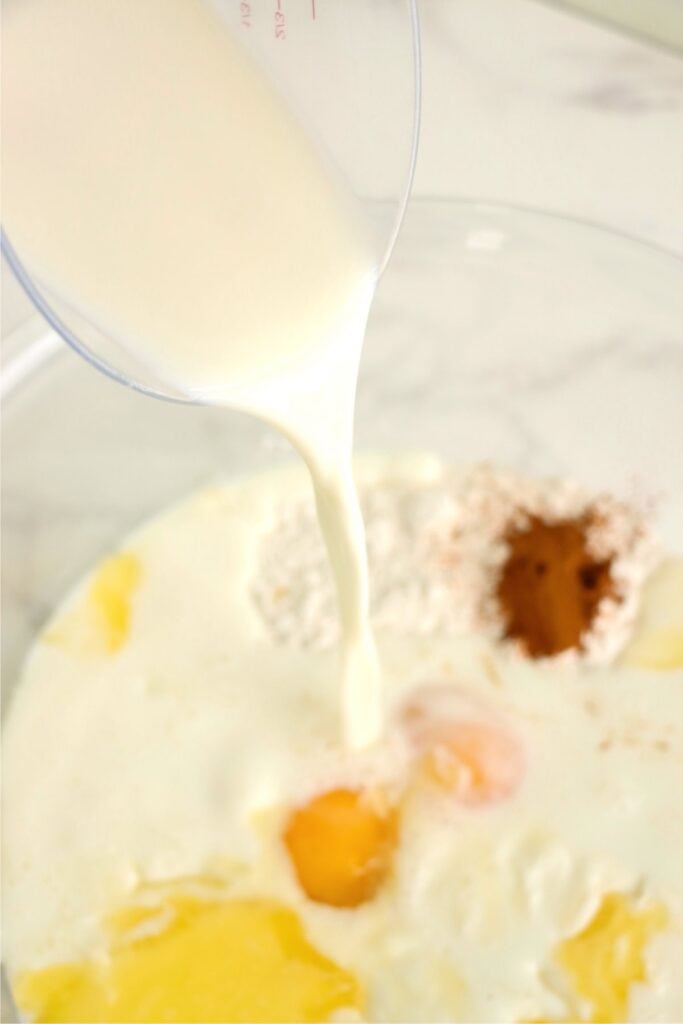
102 623
659 649
191 959
606 957
658 639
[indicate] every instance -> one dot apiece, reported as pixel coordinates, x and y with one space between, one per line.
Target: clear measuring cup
350 73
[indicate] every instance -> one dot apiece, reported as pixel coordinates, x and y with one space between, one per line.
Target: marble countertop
529 104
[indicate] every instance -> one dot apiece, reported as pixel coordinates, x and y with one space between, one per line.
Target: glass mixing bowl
548 345
543 344
498 334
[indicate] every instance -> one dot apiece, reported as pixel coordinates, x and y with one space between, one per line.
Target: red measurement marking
280 25
245 14
313 9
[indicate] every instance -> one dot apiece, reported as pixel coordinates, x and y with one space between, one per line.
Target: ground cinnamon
550 585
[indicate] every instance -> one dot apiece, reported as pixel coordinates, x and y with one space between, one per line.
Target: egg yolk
206 960
341 845
604 959
475 762
101 625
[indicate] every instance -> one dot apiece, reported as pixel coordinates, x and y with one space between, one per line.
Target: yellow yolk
102 623
190 959
604 959
341 845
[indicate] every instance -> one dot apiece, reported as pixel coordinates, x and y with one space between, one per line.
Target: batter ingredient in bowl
552 584
540 562
187 839
193 958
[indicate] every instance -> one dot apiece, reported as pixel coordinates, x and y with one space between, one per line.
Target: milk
154 180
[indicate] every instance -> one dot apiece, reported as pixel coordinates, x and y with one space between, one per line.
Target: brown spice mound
551 585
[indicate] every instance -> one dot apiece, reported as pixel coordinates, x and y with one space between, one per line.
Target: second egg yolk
475 762
472 756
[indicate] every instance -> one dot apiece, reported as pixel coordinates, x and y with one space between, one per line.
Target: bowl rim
37 340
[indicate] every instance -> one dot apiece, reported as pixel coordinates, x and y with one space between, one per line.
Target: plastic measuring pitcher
348 71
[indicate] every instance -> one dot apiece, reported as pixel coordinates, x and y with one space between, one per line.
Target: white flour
435 553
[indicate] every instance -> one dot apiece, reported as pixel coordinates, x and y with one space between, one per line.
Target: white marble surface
529 104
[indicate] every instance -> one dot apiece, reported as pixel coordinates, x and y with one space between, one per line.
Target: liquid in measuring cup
155 181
